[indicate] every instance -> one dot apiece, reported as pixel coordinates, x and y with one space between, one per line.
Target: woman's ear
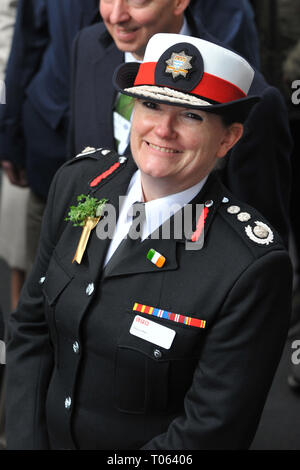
233 133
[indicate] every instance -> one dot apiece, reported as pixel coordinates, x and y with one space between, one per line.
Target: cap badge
179 64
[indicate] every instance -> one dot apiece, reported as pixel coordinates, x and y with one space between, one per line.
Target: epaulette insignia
244 216
233 210
89 150
260 233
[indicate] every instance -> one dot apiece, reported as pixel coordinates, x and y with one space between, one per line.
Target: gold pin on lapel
89 225
86 214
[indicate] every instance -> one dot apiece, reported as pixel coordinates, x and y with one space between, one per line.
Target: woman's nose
166 127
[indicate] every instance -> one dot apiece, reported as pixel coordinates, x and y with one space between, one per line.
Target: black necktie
134 236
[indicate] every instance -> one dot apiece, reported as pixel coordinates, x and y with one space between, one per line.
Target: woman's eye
150 105
194 116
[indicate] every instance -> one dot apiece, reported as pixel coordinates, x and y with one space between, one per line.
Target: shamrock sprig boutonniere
86 214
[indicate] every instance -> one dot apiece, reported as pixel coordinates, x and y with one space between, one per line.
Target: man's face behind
131 23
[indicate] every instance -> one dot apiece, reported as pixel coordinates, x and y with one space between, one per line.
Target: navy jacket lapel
110 189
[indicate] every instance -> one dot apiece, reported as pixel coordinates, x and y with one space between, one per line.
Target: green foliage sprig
87 207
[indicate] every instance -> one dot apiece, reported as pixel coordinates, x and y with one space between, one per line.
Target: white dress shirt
157 211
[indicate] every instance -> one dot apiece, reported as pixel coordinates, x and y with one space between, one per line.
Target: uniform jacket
78 379
259 164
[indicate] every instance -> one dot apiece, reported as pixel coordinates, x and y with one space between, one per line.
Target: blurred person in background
34 122
13 199
13 204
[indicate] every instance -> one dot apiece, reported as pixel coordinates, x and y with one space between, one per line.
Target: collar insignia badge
179 64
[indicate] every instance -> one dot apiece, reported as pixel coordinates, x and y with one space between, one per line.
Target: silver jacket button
68 402
90 288
42 280
76 347
157 354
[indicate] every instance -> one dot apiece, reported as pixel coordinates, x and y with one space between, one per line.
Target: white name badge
152 332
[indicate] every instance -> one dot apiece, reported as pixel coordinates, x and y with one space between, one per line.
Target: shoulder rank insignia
261 233
86 151
233 210
89 150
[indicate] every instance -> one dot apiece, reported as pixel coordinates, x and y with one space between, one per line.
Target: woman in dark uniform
170 340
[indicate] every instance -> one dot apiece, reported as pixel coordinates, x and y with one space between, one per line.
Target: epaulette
111 164
250 225
91 152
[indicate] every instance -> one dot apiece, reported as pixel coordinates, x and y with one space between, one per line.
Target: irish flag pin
156 258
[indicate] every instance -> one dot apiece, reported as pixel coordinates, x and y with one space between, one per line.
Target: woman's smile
161 148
